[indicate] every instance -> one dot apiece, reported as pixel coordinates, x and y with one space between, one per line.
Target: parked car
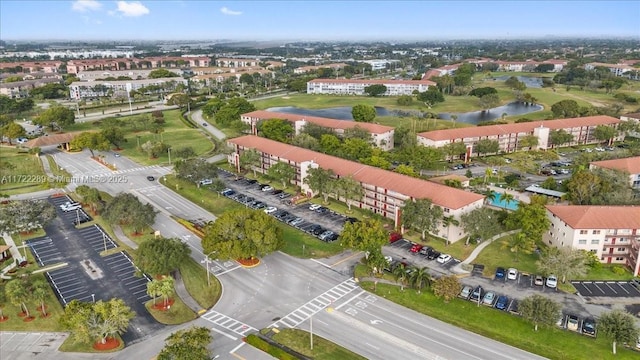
276 192
572 323
297 221
513 307
502 303
512 274
314 207
206 182
560 322
477 293
538 280
415 248
425 250
589 327
465 292
552 281
489 298
433 255
500 273
444 258
393 237
270 209
635 283
267 188
66 207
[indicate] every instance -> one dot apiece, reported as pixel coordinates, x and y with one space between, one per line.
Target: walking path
117 230
15 255
474 254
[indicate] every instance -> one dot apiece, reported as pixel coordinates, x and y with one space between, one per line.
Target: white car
267 188
314 207
444 258
206 182
552 281
271 209
512 274
70 207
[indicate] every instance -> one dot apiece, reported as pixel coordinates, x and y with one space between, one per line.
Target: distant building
308 69
134 74
356 87
508 135
616 69
31 66
381 136
629 166
610 232
119 88
21 89
76 66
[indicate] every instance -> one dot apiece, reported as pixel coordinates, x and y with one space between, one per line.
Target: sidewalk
45 165
117 230
182 292
15 254
474 254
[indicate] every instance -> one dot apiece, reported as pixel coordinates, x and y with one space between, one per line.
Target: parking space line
609 286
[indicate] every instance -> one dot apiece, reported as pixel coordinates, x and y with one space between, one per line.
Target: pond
531 82
474 117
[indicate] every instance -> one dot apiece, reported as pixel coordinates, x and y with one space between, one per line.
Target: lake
531 82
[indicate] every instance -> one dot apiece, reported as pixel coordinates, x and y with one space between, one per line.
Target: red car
394 236
416 248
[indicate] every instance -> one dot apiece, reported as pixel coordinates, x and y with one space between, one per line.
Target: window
621 249
619 258
596 232
582 242
595 241
583 232
594 250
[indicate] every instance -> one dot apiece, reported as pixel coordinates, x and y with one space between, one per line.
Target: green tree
76 319
242 234
618 326
166 289
488 101
363 113
12 131
250 159
519 243
532 219
115 135
405 100
454 150
126 209
563 262
482 222
185 152
528 141
447 221
282 172
16 291
276 129
431 97
400 275
330 144
211 107
375 90
539 310
419 278
39 292
447 287
350 189
306 141
162 73
600 187
559 137
604 133
154 289
92 141
367 235
187 344
515 84
3 299
110 318
161 256
487 146
565 109
406 170
422 216
507 198
232 110
56 116
479 92
195 170
357 132
355 149
26 215
320 181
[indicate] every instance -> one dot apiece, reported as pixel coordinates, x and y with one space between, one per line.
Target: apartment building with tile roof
629 166
381 135
385 191
356 87
611 232
508 135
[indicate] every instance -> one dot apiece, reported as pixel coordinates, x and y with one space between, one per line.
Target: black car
319 230
150 178
332 237
284 195
252 181
322 210
433 255
351 220
282 215
477 294
589 327
276 192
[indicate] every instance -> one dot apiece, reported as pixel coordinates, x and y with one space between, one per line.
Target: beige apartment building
356 87
629 166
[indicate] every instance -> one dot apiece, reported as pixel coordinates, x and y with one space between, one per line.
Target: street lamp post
207 261
93 298
169 152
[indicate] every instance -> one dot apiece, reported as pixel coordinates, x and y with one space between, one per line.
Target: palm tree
17 293
507 198
153 289
454 117
489 196
420 277
400 275
39 292
166 289
447 221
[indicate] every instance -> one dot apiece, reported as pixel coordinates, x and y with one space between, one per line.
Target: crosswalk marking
316 304
228 323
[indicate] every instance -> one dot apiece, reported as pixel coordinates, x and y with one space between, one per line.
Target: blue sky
314 20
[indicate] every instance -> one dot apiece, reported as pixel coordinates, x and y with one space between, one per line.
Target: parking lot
69 285
120 265
74 217
45 251
606 288
97 238
400 250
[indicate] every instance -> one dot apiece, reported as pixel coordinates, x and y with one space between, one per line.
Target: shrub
618 270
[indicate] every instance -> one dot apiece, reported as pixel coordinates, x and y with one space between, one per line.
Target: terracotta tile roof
431 73
598 217
633 115
324 122
630 165
491 130
374 81
441 195
54 139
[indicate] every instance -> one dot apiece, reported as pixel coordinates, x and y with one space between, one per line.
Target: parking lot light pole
93 298
104 239
207 261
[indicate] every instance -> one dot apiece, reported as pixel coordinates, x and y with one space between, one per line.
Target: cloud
225 10
86 5
132 8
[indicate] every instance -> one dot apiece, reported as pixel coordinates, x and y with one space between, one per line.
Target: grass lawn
497 255
179 313
195 280
323 349
513 330
21 172
58 172
16 323
79 347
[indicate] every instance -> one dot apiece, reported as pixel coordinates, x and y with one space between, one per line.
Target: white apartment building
629 166
611 232
616 69
92 89
134 74
381 136
356 87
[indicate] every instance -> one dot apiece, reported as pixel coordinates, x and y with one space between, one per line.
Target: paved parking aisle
120 264
97 238
45 251
317 304
606 288
78 216
69 284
